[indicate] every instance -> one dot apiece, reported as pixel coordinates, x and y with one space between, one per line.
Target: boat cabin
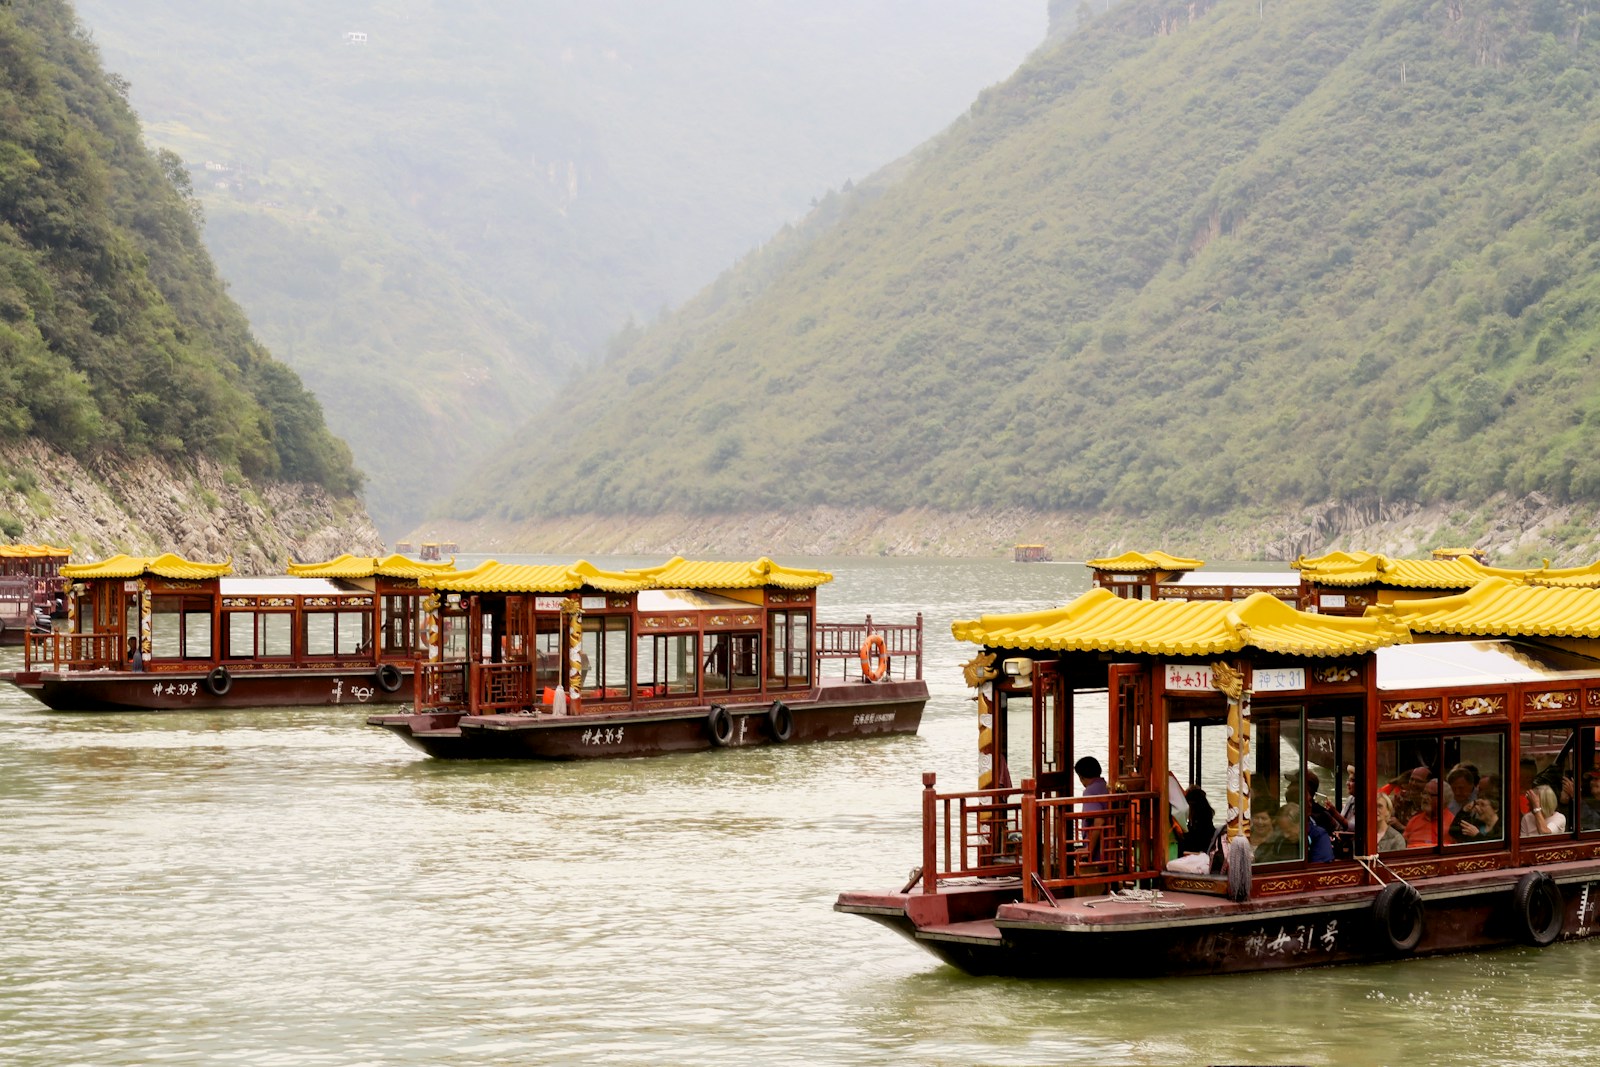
30 585
1158 576
166 613
526 639
1030 554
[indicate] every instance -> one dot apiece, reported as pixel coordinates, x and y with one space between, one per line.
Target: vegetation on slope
1193 257
115 333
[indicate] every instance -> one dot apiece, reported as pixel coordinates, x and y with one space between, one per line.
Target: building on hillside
355 37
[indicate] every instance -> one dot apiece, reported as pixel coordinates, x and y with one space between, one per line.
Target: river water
290 886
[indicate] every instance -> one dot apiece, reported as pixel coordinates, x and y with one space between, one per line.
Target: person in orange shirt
1422 829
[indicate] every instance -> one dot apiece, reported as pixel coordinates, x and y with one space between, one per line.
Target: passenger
1284 844
1347 811
1478 820
1422 829
1263 823
1542 817
1463 782
1202 819
1590 815
1323 822
1408 799
1094 785
1383 826
135 655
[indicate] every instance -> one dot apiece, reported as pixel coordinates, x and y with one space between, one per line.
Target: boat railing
1048 842
498 687
1071 841
975 834
843 642
441 685
59 651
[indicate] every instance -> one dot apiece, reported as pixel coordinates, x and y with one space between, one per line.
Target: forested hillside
1194 259
115 333
436 211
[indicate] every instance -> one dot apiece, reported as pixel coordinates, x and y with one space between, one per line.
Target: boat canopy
348 566
1504 608
280 585
167 565
33 552
1101 621
680 573
1458 664
1136 562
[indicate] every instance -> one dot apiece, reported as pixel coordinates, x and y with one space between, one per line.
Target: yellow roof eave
492 576
679 573
1134 562
348 566
1101 621
1501 607
166 565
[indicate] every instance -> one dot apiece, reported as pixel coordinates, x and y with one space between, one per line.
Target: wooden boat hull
986 930
187 690
835 712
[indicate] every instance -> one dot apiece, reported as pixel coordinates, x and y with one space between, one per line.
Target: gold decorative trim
1551 700
1471 707
1336 674
1410 710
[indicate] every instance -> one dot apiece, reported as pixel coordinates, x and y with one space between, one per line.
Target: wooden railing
501 687
55 652
441 685
1049 842
842 641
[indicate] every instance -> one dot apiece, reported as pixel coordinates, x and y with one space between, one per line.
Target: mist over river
290 886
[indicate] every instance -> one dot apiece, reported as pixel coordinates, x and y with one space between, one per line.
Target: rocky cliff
197 509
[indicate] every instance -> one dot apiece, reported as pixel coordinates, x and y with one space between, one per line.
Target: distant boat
30 588
166 633
561 662
1030 554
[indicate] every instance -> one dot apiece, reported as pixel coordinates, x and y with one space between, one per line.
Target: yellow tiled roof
1101 621
32 551
1500 607
164 566
679 573
348 566
1144 561
493 577
1461 572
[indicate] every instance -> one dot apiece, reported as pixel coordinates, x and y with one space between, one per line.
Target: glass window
666 665
239 635
1548 800
180 627
605 646
403 626
1445 790
789 637
547 652
1276 742
337 633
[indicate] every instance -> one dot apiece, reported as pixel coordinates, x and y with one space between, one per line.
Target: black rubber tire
720 725
218 682
389 678
1397 917
780 720
1538 910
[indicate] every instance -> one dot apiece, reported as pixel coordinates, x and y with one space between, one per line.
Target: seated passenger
1197 837
1284 843
1478 820
1463 782
1422 829
1589 817
1542 817
1389 838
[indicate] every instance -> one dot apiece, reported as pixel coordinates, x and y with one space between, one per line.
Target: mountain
437 211
1200 262
119 347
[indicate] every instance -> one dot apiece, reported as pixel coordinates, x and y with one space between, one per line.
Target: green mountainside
436 211
1194 257
115 333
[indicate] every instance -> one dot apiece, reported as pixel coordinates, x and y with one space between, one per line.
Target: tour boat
561 662
1347 583
30 589
1433 705
163 633
1158 576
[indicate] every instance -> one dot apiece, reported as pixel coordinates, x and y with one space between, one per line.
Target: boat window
337 633
605 648
252 635
453 630
547 651
1276 741
666 665
403 624
180 627
1549 758
1446 789
733 661
790 643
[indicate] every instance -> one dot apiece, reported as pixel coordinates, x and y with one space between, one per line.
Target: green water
289 886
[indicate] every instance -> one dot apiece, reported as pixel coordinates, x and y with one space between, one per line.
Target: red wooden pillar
930 829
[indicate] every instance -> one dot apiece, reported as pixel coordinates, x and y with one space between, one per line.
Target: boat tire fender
389 678
219 681
874 658
1397 914
720 725
1537 909
781 720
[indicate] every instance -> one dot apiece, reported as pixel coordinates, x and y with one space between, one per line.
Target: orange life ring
872 647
